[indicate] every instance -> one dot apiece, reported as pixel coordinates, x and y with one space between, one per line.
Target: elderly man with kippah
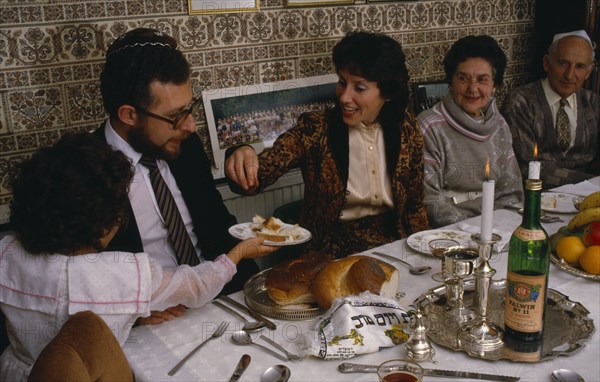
558 115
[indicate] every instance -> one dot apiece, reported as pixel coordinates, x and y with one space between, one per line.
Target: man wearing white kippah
558 115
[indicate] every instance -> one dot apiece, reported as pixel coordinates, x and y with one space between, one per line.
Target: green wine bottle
527 273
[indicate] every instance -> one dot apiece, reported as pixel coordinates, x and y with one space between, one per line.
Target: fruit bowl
577 244
564 266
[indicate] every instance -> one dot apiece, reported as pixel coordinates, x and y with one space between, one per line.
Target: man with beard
146 91
558 115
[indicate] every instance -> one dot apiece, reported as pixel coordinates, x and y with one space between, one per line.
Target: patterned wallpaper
51 52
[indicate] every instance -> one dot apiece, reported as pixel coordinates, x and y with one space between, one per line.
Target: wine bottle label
528 234
524 311
522 356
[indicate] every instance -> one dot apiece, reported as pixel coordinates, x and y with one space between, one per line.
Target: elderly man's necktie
563 127
184 249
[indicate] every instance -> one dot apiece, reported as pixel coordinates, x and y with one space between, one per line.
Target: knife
347 367
241 366
269 324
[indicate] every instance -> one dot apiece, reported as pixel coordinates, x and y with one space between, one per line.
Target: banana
590 201
583 218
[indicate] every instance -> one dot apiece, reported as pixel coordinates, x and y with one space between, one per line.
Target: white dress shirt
150 222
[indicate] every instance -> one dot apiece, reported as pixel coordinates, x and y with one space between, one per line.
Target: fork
543 217
218 333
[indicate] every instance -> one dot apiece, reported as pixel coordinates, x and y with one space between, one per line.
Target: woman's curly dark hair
377 58
483 46
66 197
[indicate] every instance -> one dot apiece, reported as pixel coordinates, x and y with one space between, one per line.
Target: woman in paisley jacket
362 161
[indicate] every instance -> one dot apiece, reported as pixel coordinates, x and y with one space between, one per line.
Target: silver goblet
438 248
460 263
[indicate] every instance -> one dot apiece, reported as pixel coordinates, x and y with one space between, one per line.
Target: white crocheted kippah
580 33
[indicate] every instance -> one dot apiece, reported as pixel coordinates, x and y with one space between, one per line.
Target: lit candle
534 165
487 205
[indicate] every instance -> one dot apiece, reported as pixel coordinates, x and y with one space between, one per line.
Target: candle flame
487 169
535 151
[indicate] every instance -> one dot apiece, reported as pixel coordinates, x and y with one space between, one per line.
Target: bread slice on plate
273 229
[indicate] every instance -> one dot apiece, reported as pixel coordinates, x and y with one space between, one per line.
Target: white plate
563 203
420 241
244 231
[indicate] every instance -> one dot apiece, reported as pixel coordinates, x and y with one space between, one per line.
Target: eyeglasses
179 118
482 80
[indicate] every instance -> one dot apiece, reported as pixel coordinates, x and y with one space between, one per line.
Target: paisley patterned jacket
322 155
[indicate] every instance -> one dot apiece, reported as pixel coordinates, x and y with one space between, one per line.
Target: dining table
153 350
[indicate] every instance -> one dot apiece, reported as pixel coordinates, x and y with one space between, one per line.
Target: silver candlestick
479 333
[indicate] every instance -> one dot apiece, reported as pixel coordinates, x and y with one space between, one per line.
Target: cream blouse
369 186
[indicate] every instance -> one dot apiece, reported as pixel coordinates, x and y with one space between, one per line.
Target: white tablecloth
154 350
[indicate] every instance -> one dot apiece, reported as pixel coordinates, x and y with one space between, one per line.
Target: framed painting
222 6
427 94
314 3
257 114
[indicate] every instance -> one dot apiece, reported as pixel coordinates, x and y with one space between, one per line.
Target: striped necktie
563 127
184 249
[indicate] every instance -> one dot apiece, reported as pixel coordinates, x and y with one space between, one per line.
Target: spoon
277 373
249 326
415 270
243 338
564 375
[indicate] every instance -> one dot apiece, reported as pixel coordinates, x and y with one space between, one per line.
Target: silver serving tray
258 299
564 266
567 326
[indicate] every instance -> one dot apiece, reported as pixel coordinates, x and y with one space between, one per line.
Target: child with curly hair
68 202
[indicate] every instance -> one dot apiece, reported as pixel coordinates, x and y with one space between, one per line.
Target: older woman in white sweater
465 130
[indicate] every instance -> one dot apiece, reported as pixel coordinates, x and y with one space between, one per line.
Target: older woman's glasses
176 122
482 80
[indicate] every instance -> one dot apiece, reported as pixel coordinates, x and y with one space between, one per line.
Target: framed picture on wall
427 94
258 114
313 3
222 6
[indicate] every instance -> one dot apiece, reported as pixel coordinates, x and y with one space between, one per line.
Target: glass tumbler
400 370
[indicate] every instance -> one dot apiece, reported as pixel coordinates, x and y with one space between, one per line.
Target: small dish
419 241
558 203
244 231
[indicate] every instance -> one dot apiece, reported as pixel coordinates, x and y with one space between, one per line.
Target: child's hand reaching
250 249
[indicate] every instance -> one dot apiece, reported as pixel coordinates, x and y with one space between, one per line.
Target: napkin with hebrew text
358 325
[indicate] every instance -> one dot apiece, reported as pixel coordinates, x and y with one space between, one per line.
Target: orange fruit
569 248
589 260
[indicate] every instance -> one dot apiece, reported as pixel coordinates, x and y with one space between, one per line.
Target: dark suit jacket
192 172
